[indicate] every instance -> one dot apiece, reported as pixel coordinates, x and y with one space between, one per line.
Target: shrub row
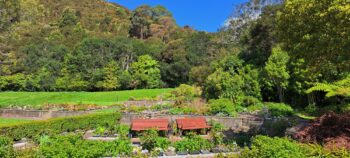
275 147
58 125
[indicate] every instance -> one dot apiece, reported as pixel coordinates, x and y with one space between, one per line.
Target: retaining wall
38 114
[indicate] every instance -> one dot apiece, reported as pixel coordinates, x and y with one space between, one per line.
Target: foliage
192 143
66 146
58 125
6 149
232 80
279 109
302 23
339 88
181 110
186 93
150 140
222 106
266 147
146 72
277 72
329 129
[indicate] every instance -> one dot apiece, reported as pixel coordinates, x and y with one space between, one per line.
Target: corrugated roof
145 124
192 123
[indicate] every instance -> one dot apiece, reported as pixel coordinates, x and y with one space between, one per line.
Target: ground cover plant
36 99
11 121
54 126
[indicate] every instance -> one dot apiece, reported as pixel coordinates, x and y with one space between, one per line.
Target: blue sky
204 15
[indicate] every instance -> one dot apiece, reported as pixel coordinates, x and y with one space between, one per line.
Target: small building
139 125
198 125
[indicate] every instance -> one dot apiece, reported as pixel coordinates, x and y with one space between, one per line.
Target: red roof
192 123
145 124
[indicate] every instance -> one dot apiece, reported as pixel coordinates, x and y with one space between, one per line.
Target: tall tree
146 72
277 71
317 31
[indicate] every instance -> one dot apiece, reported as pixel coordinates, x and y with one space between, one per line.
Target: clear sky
204 15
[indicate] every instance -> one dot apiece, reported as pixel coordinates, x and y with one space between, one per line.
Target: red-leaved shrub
331 129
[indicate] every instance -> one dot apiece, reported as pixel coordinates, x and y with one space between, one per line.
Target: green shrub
279 109
223 106
315 150
74 146
59 125
311 109
267 147
6 149
192 143
180 111
151 140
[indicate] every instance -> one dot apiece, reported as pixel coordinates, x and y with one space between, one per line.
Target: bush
266 147
223 106
180 111
74 146
58 125
6 149
279 109
311 109
150 140
186 93
192 143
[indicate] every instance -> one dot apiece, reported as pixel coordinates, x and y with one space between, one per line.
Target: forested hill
270 50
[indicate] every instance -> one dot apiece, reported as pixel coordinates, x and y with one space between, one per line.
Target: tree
277 72
9 13
232 80
317 31
146 72
110 77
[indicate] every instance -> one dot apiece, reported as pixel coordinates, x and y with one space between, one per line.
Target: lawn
35 99
11 121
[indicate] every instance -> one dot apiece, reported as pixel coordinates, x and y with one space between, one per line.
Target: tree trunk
280 93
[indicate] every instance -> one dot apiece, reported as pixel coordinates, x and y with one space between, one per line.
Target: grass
11 121
35 99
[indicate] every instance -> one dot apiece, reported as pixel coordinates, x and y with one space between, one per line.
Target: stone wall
241 123
38 114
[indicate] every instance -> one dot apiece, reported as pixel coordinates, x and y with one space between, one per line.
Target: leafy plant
192 143
266 147
151 140
279 109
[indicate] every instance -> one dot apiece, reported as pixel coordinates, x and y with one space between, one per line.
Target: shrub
180 111
151 140
58 125
6 149
311 109
267 147
192 143
279 109
74 146
186 93
223 106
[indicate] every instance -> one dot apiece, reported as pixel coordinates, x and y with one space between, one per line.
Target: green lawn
35 99
11 121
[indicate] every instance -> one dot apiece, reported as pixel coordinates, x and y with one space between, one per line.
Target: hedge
58 125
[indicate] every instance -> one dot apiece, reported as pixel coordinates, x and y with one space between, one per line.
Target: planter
170 153
205 151
195 152
182 153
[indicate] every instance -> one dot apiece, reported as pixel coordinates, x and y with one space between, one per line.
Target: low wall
147 102
241 123
38 114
